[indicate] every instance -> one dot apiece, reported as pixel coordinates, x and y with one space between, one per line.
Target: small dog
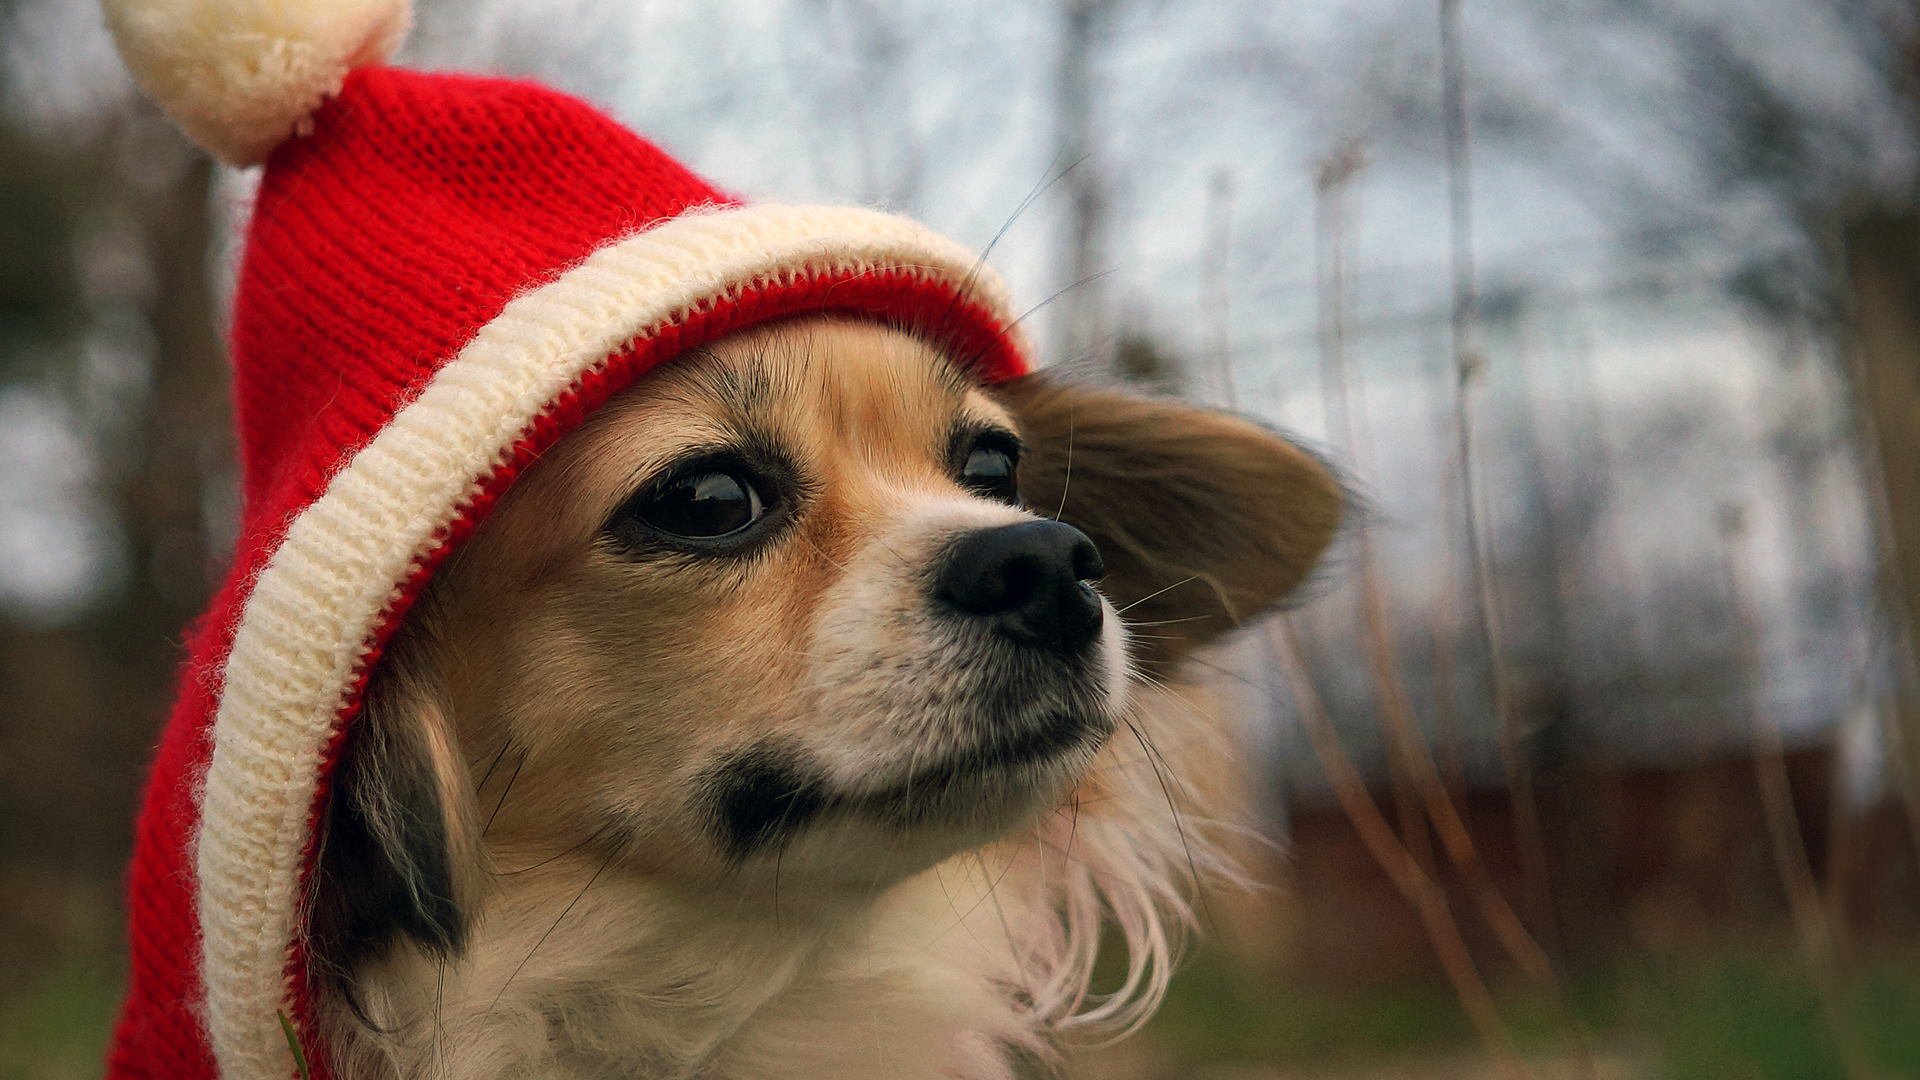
770 727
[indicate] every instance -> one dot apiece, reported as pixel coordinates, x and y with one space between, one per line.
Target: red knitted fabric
414 211
379 245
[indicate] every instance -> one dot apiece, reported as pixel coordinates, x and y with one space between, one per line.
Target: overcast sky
1595 192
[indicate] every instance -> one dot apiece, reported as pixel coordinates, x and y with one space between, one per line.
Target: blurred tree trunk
89 696
1081 330
183 445
169 472
1883 274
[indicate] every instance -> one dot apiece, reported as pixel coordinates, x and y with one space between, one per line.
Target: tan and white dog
801 716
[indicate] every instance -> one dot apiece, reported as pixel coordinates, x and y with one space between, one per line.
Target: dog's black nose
1029 579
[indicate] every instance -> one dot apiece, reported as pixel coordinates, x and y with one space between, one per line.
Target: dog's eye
989 470
703 505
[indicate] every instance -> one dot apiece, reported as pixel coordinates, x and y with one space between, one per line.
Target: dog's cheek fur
1204 519
399 858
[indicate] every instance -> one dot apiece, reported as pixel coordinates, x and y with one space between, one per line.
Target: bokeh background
1593 754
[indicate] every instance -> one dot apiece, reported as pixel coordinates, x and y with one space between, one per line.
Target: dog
809 712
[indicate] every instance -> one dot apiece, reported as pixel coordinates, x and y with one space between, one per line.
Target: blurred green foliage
54 1025
1739 1016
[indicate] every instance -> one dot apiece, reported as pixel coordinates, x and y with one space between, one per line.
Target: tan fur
567 700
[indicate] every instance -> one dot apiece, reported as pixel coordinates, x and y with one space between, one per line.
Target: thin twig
1810 916
1427 898
1218 280
1417 782
1468 362
1333 205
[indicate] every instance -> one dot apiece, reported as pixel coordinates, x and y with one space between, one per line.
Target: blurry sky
1604 218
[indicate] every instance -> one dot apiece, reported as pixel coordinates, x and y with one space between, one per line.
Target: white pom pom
240 76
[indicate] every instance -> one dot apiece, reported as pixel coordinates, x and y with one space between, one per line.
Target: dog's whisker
1073 829
1006 928
1167 622
504 792
1193 868
1172 697
1156 592
564 912
1226 673
818 550
959 920
555 857
505 744
1066 483
1048 178
1057 294
440 1011
991 885
779 858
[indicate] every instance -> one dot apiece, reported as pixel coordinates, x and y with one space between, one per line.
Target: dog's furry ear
399 857
1203 519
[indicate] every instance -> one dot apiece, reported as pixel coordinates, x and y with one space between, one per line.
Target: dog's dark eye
703 505
989 470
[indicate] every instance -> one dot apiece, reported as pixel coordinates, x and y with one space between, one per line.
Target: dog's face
806 607
783 598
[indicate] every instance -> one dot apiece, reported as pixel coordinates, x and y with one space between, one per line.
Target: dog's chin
998 777
775 808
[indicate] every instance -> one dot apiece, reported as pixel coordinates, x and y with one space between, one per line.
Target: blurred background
1594 754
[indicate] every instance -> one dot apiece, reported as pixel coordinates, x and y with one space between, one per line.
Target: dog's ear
399 857
1204 519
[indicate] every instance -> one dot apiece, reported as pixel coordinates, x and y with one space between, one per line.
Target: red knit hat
442 276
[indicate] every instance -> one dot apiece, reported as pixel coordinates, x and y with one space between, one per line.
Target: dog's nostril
1087 564
1028 579
1020 578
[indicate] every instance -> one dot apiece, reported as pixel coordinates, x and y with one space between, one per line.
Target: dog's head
810 603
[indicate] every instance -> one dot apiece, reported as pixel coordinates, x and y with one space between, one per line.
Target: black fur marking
761 795
376 891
